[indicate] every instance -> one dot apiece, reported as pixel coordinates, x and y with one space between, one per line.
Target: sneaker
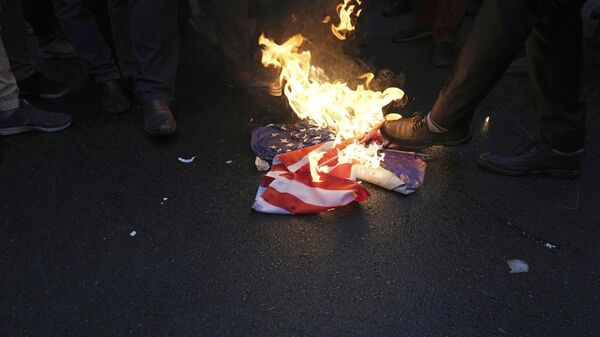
30 118
398 8
534 158
39 84
444 54
55 46
412 133
412 34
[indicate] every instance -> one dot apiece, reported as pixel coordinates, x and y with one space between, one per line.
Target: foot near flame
412 133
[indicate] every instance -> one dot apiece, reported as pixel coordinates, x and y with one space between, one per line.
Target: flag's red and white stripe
289 188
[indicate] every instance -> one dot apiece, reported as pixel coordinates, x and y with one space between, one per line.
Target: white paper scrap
518 266
261 164
133 233
187 161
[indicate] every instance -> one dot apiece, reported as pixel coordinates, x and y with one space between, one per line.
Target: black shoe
535 158
113 96
38 84
398 8
444 54
412 133
158 119
29 118
412 34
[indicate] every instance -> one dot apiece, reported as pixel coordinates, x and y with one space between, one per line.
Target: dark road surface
204 264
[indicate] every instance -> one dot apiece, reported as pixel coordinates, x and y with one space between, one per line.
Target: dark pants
14 39
551 32
40 15
442 16
146 38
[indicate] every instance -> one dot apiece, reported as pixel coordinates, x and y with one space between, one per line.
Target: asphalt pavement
202 263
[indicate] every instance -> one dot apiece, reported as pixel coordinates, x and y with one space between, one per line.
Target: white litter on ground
229 162
165 199
518 266
133 233
261 164
549 245
187 161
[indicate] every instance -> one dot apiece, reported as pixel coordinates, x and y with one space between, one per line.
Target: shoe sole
117 111
23 129
452 143
557 173
414 38
162 132
61 94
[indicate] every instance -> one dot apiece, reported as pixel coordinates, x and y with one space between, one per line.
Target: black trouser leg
498 33
118 12
155 40
41 17
80 26
14 39
554 60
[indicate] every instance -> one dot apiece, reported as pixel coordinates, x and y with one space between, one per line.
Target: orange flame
311 94
345 12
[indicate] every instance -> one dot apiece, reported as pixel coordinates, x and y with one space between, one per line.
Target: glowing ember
345 12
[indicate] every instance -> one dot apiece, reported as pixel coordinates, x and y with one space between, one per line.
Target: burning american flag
324 176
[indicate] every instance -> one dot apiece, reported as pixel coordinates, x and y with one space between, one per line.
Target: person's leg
424 16
498 33
40 15
423 19
19 116
118 12
9 91
80 26
236 34
15 40
448 16
554 59
52 42
155 40
29 80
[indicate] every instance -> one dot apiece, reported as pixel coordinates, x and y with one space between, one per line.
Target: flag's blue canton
273 139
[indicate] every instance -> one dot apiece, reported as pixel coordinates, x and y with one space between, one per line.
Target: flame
312 95
345 11
349 113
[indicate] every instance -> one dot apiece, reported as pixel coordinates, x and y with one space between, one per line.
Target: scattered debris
165 199
229 162
518 266
261 164
549 245
133 233
486 126
187 161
